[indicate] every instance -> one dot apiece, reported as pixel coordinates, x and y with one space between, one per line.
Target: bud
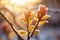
22 33
31 28
42 11
27 14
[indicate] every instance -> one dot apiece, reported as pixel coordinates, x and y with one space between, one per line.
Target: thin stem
28 29
34 29
19 38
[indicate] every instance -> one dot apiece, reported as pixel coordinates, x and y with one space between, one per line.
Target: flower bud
42 11
27 14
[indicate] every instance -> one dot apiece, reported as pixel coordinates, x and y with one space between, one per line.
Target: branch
28 29
34 28
19 38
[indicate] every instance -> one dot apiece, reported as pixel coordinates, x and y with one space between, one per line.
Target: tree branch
28 29
19 38
34 29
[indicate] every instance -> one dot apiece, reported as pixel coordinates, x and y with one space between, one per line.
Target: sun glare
22 2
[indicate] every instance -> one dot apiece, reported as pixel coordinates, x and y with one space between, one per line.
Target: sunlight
23 2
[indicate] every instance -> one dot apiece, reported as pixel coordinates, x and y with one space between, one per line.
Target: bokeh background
50 31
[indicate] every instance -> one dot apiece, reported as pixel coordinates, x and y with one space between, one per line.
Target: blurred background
50 31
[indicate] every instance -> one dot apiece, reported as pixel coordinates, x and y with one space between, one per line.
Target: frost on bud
23 33
42 11
27 14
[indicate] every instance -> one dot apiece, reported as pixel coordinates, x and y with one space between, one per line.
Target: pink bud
42 11
27 14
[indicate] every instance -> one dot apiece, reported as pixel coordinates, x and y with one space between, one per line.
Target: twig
19 38
34 29
27 30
